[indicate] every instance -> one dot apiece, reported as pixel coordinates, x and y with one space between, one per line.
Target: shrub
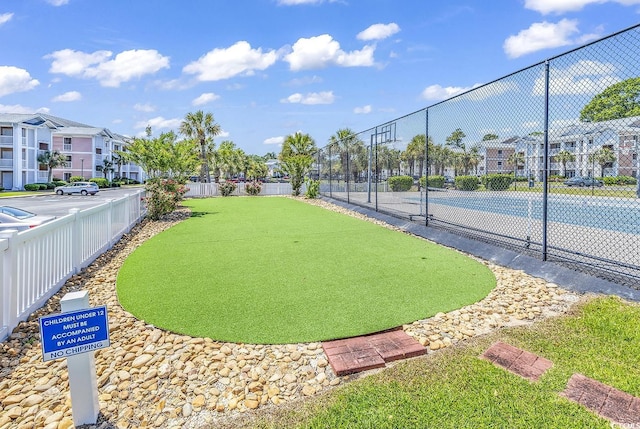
44 186
313 189
467 183
76 179
115 184
164 195
619 180
227 188
100 181
432 181
253 188
59 183
400 183
497 182
32 187
556 178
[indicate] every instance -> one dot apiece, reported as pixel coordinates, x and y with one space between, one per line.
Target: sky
269 68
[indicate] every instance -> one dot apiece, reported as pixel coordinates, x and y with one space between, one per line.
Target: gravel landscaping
150 377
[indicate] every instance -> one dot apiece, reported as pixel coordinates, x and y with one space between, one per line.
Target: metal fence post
545 163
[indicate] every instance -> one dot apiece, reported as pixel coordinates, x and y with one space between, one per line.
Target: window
66 177
98 151
67 164
499 153
43 145
499 163
66 144
6 131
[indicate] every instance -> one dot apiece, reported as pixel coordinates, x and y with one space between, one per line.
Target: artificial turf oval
277 270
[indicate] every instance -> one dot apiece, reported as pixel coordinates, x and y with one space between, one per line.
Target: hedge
467 183
400 183
497 182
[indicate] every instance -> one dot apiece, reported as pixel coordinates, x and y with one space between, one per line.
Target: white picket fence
211 189
37 262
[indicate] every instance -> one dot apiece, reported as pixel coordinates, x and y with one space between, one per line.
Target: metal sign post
75 334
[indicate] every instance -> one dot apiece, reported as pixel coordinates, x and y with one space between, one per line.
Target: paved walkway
606 401
351 355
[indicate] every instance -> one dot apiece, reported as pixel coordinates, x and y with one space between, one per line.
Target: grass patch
455 389
277 270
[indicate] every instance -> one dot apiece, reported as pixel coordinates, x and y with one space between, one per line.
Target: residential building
25 136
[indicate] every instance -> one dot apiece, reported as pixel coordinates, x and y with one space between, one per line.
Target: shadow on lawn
202 214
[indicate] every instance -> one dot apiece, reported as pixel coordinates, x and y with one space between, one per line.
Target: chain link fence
543 161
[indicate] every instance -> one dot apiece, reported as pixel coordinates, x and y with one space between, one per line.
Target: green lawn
276 270
453 388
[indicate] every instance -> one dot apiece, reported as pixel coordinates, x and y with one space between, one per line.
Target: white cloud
68 96
561 6
159 123
144 107
325 97
437 92
307 80
17 108
58 2
5 17
581 77
378 31
223 134
362 110
238 59
491 90
14 79
205 98
274 140
322 51
109 72
541 35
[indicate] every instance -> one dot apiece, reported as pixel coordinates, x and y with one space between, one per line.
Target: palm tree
106 167
603 157
343 140
203 128
516 159
564 157
51 160
296 158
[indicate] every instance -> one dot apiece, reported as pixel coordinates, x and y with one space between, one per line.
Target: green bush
253 188
497 182
227 188
619 180
400 183
58 182
100 181
433 181
467 183
32 187
163 196
49 185
556 178
76 179
313 189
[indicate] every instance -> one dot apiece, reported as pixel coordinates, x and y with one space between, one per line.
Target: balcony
6 140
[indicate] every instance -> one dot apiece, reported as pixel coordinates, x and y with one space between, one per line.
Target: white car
82 188
14 218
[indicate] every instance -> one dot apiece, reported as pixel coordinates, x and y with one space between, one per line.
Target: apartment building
25 136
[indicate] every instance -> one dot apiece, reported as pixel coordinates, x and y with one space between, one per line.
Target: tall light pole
82 168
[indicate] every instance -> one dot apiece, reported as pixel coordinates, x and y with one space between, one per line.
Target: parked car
583 181
82 188
449 180
14 218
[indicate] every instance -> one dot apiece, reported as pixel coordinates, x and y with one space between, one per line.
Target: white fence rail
36 263
212 189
